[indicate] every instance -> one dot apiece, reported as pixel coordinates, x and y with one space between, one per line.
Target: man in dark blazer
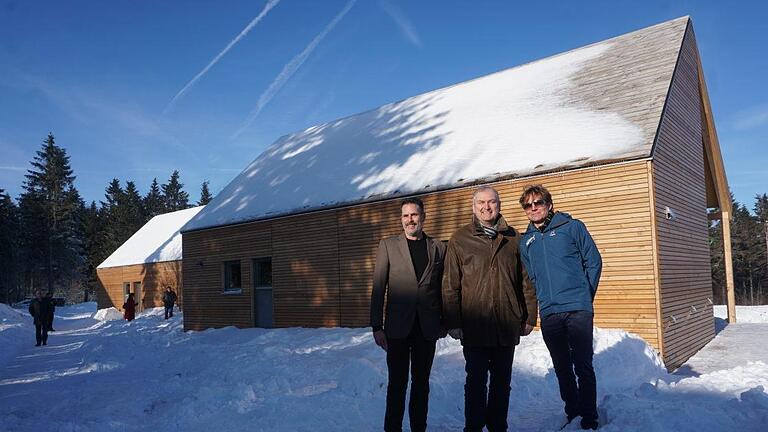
408 275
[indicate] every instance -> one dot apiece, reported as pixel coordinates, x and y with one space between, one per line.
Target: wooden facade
150 279
647 215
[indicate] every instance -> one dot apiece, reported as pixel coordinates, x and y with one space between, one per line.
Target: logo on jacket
552 234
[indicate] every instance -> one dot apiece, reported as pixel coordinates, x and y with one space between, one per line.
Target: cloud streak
270 4
290 68
752 118
402 21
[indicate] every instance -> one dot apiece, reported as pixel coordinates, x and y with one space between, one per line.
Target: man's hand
526 329
456 333
381 339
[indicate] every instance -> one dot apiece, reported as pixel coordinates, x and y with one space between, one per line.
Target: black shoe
45 343
37 344
588 424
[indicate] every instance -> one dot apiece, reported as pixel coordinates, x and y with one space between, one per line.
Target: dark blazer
394 276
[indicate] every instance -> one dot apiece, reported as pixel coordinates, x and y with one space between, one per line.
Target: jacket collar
501 226
559 219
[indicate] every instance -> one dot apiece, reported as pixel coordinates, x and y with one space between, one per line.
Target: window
232 279
126 290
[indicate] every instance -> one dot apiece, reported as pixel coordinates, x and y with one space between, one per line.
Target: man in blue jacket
564 265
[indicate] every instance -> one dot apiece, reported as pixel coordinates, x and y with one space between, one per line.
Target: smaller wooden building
145 264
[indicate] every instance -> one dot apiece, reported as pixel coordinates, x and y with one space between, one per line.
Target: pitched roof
158 240
593 105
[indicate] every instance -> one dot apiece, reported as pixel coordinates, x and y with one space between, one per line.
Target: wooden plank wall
679 176
323 262
154 277
203 267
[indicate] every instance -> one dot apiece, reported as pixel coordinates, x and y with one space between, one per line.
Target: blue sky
134 90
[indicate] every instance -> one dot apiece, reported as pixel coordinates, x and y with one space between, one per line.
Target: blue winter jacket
563 263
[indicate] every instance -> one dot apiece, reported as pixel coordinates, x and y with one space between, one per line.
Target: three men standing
488 304
409 270
564 265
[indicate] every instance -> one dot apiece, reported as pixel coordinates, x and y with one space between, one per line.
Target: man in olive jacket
409 269
488 304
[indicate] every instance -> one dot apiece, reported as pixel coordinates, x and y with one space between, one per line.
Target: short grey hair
483 189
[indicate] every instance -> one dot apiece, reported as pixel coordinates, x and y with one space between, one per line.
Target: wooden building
620 131
145 264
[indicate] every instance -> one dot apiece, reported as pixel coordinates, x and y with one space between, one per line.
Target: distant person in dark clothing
129 308
39 309
49 297
169 298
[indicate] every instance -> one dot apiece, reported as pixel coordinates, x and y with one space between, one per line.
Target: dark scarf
547 220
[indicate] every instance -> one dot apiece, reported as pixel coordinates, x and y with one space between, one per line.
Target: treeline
52 240
749 248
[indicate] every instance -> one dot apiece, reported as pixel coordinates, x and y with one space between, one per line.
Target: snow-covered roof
158 240
593 105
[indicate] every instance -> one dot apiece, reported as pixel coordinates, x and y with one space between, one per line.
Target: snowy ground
109 375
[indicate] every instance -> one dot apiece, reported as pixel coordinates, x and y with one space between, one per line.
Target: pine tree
133 210
153 201
173 194
93 227
761 210
113 234
205 194
49 208
9 247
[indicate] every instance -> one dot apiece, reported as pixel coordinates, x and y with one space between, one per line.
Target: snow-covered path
735 345
110 375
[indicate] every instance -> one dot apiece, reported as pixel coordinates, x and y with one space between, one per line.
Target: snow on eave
158 240
514 123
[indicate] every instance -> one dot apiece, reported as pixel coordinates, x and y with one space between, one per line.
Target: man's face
412 220
486 207
536 208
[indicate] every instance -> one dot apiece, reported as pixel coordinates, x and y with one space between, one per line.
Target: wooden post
727 257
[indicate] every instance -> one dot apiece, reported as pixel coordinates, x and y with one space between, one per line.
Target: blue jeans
568 336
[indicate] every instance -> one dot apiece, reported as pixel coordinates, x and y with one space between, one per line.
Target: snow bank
15 326
744 314
108 314
150 375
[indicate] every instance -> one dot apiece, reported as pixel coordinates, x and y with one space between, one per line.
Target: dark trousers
168 311
41 333
487 406
418 353
568 337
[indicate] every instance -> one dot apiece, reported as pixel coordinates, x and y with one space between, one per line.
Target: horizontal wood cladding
207 305
683 245
323 262
154 277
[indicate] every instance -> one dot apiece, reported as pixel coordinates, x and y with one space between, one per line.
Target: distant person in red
129 308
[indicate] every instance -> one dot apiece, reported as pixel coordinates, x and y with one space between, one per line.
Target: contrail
291 68
402 21
270 4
